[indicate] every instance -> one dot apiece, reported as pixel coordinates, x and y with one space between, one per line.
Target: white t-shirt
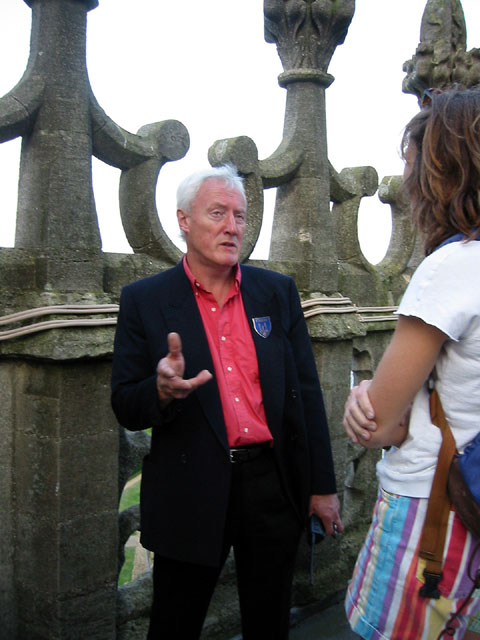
444 292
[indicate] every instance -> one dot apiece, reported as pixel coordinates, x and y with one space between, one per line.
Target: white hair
189 187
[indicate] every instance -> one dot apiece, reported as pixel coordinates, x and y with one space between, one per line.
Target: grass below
131 493
127 568
130 497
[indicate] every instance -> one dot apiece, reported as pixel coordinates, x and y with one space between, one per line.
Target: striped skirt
382 598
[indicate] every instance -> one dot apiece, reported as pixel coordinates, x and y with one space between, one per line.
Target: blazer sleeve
316 424
134 393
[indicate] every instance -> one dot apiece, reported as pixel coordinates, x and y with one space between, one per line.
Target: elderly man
215 357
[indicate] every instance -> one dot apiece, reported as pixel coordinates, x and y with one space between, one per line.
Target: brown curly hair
444 181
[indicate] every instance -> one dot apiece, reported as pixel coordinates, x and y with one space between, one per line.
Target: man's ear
182 218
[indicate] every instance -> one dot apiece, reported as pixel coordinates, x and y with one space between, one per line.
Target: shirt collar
196 284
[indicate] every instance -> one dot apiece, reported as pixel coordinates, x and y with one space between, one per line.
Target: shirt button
229 368
214 308
223 338
246 429
237 399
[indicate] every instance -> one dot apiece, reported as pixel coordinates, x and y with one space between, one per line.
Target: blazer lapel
270 349
184 314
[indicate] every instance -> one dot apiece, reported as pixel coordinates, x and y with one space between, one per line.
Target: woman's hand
403 369
358 418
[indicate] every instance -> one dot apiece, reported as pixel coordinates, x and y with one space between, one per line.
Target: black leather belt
250 452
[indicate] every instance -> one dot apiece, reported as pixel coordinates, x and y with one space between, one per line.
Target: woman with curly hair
438 328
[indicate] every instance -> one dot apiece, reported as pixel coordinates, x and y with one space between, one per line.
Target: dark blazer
186 476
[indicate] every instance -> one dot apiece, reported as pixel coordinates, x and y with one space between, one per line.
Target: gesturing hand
170 369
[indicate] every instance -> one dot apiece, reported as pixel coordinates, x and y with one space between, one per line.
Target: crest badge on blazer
262 326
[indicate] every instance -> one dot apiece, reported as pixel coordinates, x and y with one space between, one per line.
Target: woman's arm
402 371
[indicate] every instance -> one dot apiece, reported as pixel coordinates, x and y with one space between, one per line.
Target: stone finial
307 33
54 110
441 58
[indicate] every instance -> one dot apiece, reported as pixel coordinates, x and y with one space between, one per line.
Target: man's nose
230 223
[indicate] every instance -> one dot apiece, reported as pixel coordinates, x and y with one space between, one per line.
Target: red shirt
235 362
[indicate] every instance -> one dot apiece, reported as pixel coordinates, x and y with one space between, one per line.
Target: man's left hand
327 508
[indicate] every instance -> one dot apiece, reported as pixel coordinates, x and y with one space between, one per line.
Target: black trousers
264 531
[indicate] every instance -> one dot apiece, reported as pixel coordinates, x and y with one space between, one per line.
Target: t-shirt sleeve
443 291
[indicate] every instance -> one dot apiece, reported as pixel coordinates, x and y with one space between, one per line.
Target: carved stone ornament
307 33
441 58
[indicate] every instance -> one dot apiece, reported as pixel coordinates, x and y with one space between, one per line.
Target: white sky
212 70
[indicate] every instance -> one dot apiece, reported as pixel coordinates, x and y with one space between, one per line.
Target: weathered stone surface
8 605
143 228
64 441
63 344
57 147
441 58
120 269
307 33
133 608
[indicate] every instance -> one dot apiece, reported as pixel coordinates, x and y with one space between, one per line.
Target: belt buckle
232 453
244 454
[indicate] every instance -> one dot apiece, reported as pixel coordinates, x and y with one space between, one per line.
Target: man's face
215 226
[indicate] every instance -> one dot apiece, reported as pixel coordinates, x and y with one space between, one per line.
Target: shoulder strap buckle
430 588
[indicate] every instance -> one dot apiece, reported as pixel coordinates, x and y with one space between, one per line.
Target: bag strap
435 526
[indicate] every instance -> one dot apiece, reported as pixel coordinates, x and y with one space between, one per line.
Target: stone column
307 33
56 208
59 491
58 436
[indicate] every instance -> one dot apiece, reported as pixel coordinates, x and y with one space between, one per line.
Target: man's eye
240 217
